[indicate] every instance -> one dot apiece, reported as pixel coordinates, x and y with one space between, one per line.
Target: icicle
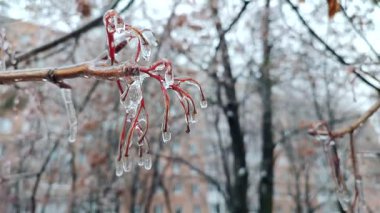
127 164
149 36
169 80
133 99
146 52
147 161
3 48
69 105
203 104
166 136
359 186
343 198
140 161
119 168
193 118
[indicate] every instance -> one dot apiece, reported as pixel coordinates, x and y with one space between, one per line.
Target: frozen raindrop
192 118
166 136
147 161
119 168
140 161
127 164
204 104
70 110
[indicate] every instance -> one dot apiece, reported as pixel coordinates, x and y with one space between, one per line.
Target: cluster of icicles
331 151
120 36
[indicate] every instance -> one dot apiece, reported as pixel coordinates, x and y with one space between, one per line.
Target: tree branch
55 75
356 124
339 58
74 34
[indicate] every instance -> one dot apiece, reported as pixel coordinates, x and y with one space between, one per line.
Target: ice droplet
192 118
119 168
204 104
127 164
140 161
166 136
147 161
70 110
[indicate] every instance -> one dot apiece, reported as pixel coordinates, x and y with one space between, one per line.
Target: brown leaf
334 7
84 8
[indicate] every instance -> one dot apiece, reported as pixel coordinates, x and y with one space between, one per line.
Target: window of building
137 209
194 190
197 209
215 208
177 188
176 148
158 208
176 168
5 126
178 209
193 149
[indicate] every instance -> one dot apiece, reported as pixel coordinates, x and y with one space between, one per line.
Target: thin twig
74 34
356 124
339 58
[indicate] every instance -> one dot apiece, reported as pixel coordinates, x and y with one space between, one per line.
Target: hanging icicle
71 115
3 49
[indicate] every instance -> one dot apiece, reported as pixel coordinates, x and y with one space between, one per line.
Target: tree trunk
267 163
237 201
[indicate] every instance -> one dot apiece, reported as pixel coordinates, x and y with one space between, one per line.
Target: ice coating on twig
136 122
3 49
71 114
